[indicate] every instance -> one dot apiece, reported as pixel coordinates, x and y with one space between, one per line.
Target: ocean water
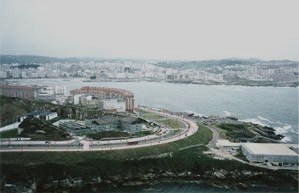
273 106
192 188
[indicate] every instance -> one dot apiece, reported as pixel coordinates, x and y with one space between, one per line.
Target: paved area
9 127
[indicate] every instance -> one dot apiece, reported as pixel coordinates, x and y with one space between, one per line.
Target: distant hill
31 59
26 59
184 65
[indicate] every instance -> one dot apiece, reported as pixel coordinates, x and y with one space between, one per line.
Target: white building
275 153
48 115
76 99
110 104
3 74
50 92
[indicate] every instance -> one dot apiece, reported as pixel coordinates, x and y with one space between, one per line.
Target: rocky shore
235 179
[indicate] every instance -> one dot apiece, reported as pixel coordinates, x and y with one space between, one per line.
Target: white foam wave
286 139
228 114
195 113
254 121
296 131
264 119
284 129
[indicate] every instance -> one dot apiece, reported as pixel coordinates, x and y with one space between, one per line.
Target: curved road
92 145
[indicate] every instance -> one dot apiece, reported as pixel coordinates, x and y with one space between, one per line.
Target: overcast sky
153 29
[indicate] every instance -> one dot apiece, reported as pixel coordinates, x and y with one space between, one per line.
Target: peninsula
71 154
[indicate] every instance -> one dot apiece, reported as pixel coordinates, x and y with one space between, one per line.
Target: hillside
12 108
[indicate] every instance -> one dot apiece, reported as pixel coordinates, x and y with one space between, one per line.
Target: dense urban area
227 71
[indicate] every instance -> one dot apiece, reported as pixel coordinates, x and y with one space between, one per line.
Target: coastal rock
168 174
133 183
220 174
242 186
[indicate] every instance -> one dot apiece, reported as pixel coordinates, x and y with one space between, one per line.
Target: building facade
25 92
109 93
274 153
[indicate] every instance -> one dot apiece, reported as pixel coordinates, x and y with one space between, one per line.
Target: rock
242 186
246 173
221 174
133 183
168 174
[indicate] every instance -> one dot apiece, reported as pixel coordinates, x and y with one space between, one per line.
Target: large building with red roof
25 92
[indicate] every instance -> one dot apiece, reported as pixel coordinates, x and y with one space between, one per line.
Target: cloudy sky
153 29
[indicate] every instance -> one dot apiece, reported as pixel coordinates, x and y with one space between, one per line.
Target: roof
106 119
132 120
17 87
269 149
39 113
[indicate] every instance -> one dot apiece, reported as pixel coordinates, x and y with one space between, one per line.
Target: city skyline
168 30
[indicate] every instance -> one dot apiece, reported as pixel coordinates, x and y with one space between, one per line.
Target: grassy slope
45 167
10 108
109 162
175 124
9 134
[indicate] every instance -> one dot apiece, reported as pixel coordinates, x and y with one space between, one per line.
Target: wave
228 114
254 121
195 113
286 139
285 129
264 119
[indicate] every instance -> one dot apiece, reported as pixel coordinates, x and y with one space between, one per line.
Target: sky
151 29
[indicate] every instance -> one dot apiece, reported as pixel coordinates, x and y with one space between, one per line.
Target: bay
273 106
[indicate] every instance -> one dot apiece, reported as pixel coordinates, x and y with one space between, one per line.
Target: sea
276 107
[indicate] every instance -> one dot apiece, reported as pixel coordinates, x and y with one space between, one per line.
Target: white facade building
275 153
109 104
76 99
3 74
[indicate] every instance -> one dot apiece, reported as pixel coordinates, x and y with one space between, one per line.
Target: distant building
3 74
109 93
25 92
50 92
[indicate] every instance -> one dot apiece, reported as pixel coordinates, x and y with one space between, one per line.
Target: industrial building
74 127
273 153
121 96
110 123
104 123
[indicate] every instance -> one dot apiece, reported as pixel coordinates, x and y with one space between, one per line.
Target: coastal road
91 145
